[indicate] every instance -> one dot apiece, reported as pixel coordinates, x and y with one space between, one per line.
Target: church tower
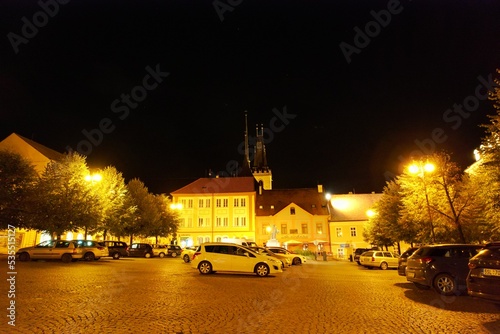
260 169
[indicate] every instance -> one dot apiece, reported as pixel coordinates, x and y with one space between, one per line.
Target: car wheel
66 258
116 256
174 254
205 267
445 284
147 255
384 266
161 255
89 256
186 258
359 263
296 261
24 257
262 269
421 286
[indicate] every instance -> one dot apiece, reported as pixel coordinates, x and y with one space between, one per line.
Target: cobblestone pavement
133 295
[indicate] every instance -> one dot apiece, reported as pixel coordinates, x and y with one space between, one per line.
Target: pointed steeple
245 166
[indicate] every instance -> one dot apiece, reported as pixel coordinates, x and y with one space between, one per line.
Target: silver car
64 250
379 259
92 250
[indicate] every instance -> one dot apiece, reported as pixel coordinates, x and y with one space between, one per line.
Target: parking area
167 296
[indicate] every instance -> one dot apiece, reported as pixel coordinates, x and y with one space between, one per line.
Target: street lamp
421 169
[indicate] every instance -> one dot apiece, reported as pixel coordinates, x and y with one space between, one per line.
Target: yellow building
349 218
299 216
212 209
39 156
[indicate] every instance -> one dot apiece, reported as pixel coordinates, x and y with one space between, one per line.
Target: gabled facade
212 209
299 216
39 156
349 218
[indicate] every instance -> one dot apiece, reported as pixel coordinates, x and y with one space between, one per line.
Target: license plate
491 272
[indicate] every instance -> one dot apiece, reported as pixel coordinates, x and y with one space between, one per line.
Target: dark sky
349 124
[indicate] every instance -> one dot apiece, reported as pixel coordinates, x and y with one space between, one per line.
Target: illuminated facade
299 216
212 209
349 218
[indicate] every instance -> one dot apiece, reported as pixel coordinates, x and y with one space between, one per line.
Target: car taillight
196 254
100 248
426 260
472 265
373 259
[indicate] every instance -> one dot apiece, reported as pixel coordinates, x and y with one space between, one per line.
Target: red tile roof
308 199
218 186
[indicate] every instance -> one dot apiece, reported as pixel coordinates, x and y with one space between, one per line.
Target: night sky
347 89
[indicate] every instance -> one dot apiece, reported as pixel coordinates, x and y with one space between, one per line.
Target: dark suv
403 260
116 249
140 250
483 280
442 267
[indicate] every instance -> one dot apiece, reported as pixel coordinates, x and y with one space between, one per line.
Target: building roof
48 152
349 207
273 201
218 185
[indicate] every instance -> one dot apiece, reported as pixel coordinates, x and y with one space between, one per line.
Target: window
207 239
292 210
225 222
190 203
272 207
218 239
207 202
240 221
243 202
218 202
190 222
200 203
225 203
200 241
319 228
184 203
304 229
236 202
218 221
200 222
339 231
283 229
353 232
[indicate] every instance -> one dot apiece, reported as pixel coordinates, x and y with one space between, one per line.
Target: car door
60 247
243 260
135 250
222 257
43 250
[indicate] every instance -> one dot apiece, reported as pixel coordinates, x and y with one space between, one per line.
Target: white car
295 258
219 256
187 253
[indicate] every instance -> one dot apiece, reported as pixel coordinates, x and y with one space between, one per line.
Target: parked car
285 260
160 250
188 252
358 252
116 249
483 280
403 259
64 250
442 267
92 250
174 250
379 259
220 256
140 250
296 258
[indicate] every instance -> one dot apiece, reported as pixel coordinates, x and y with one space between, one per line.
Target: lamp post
421 169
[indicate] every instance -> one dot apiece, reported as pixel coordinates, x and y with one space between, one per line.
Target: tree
64 200
112 193
439 199
165 221
145 209
384 228
17 178
484 175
